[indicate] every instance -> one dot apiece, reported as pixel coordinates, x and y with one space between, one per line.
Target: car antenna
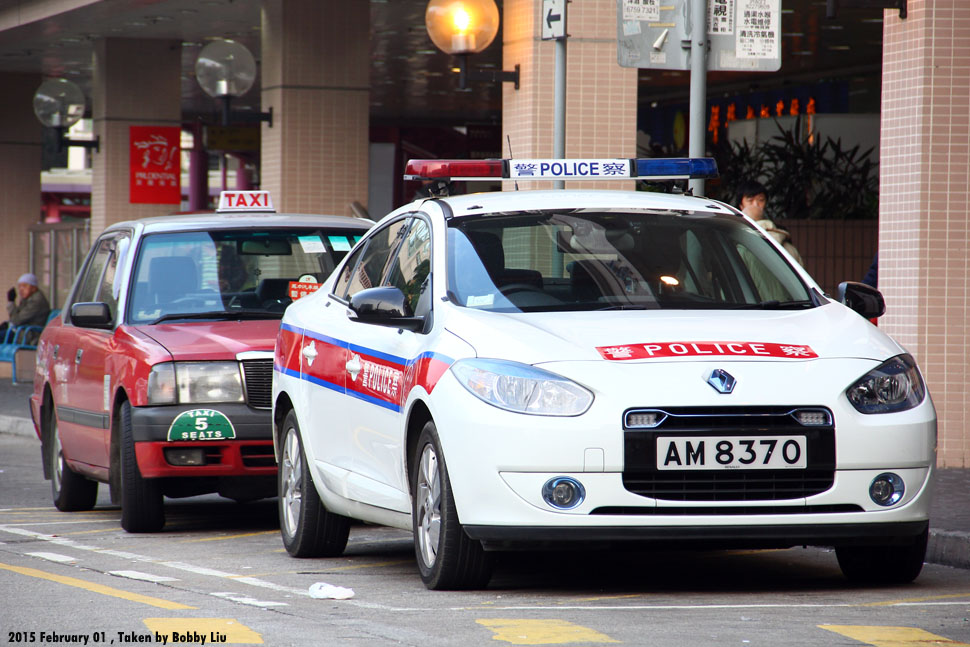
509 140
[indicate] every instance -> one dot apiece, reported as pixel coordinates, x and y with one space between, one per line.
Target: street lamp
59 104
463 27
226 69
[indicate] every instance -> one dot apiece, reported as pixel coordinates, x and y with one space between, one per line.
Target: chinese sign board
155 165
742 35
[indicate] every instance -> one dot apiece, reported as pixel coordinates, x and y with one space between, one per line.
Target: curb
17 426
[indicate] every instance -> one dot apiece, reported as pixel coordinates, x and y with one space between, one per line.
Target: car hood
219 340
828 331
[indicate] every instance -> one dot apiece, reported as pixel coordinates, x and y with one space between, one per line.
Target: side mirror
864 299
91 315
385 306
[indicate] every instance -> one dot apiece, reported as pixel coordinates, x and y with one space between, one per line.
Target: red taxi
156 379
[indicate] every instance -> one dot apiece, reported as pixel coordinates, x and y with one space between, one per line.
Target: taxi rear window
589 259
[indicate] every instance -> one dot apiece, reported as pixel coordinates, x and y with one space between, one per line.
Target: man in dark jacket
32 310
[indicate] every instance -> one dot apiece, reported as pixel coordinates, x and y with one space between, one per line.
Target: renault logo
721 380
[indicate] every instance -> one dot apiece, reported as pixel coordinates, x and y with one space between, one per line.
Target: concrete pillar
136 82
20 148
924 271
315 77
601 96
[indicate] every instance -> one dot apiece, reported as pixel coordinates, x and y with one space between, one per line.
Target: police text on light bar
677 168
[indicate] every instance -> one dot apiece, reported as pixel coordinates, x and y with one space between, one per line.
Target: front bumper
250 453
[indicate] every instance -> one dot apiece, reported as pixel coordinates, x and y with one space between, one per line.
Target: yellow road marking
608 597
95 588
542 632
245 534
88 532
215 630
890 603
892 636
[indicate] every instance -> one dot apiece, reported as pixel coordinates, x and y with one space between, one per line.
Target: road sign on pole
553 19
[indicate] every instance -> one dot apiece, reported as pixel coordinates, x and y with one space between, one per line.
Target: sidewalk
949 517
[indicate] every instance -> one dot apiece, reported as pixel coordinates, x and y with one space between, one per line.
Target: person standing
752 200
32 310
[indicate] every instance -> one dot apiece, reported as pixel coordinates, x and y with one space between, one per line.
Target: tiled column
924 271
135 83
601 96
315 77
20 145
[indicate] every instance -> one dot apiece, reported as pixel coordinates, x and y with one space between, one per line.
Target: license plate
731 452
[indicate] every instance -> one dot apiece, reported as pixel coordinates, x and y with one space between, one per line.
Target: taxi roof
476 204
239 219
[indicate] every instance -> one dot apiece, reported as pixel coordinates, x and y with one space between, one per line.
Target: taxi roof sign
230 201
677 168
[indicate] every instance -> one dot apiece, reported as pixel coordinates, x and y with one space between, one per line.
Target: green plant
806 177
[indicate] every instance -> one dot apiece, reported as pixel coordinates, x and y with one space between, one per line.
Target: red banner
155 164
701 348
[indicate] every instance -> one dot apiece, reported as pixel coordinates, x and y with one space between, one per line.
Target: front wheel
447 557
884 564
307 527
71 491
141 498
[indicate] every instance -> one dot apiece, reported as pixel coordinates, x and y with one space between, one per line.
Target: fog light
184 456
563 492
887 489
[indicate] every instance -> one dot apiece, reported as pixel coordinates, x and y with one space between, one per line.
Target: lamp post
226 69
463 27
59 104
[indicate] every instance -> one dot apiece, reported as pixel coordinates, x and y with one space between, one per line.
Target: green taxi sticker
201 424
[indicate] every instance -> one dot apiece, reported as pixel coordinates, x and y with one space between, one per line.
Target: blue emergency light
676 168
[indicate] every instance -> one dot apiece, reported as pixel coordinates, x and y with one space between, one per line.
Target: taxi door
82 381
369 440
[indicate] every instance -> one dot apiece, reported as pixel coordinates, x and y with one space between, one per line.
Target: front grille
641 476
258 374
258 455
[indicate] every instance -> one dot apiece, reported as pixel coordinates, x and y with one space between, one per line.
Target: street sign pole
698 85
554 28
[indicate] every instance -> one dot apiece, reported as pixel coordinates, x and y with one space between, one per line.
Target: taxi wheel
883 564
307 527
141 498
71 491
447 557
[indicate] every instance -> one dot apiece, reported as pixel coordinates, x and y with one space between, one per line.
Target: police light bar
677 168
230 201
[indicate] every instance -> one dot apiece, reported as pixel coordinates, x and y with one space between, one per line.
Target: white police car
528 368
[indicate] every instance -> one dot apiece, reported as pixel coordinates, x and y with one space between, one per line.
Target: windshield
596 259
225 274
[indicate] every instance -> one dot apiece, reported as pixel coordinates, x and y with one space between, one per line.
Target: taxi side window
100 275
409 269
371 268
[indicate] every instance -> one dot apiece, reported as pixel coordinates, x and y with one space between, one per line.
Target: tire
70 491
307 527
141 498
448 559
883 564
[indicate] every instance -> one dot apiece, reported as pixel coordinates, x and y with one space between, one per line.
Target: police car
531 368
157 377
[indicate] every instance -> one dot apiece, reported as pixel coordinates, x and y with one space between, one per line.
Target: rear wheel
307 527
141 498
447 557
884 564
71 491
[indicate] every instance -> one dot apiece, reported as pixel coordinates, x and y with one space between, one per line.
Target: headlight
521 388
895 385
161 384
194 382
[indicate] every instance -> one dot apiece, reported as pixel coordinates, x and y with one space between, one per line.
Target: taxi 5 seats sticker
201 424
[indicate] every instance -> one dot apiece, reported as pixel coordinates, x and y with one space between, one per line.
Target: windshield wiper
774 305
220 315
625 306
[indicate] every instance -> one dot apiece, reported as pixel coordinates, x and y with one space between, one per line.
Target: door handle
77 358
57 347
